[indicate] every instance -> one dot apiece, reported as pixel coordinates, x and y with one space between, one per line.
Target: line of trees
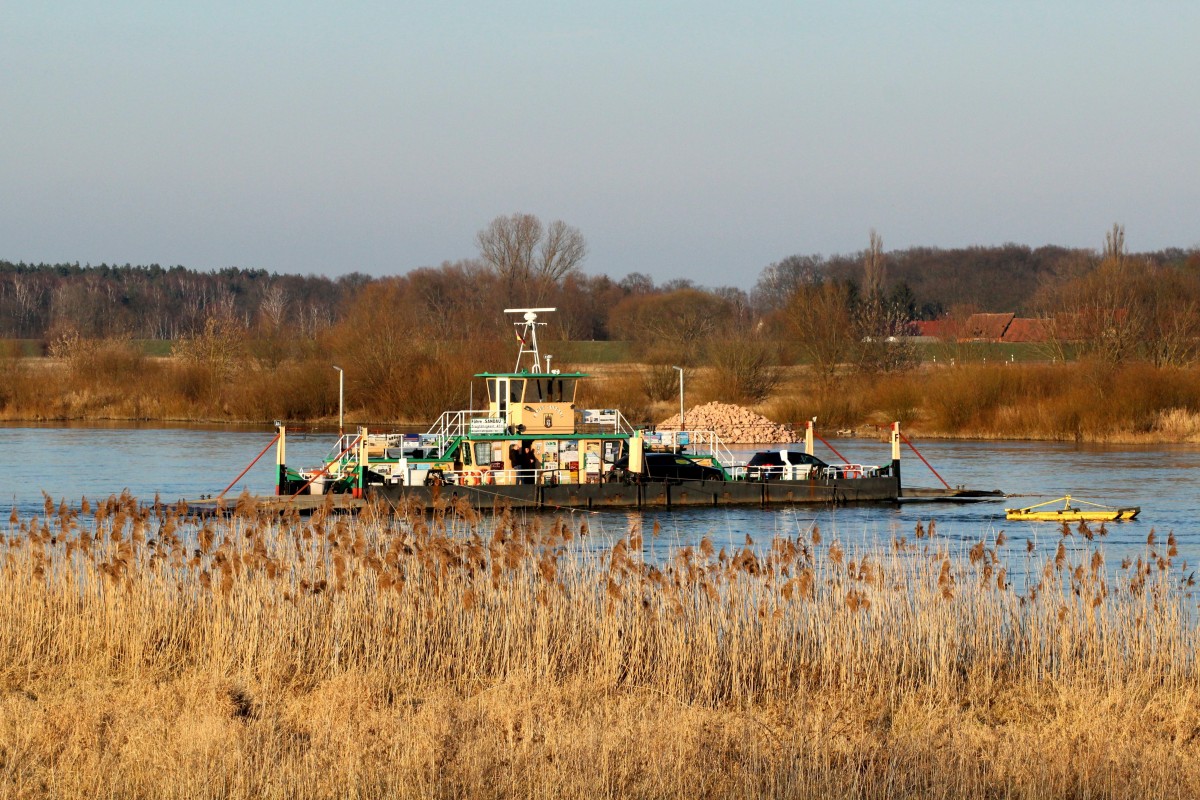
845 309
39 301
254 345
1127 308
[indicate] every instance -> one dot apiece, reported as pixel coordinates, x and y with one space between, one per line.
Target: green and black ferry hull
647 494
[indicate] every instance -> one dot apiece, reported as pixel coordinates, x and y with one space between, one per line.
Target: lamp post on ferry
341 400
682 426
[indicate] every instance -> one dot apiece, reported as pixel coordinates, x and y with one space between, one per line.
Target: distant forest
40 301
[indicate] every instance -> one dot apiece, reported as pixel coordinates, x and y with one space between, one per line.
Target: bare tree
874 268
1124 307
819 317
871 307
1114 243
1098 311
671 327
274 305
780 280
637 283
1172 318
561 252
27 293
316 317
217 352
882 324
744 366
529 258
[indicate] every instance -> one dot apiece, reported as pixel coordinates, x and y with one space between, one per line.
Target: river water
186 462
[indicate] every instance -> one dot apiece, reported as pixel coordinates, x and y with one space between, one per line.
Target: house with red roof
1027 329
986 327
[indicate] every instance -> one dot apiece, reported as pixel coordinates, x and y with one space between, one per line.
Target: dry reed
148 653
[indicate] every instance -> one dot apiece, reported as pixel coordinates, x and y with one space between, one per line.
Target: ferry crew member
530 463
516 461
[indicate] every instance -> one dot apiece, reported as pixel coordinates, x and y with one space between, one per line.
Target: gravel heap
732 423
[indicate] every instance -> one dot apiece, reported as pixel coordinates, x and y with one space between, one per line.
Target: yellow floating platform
1068 513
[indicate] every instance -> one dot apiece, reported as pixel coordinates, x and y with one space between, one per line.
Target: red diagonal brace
247 469
926 463
831 447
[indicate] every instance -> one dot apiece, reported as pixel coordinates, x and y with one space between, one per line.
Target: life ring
488 477
852 474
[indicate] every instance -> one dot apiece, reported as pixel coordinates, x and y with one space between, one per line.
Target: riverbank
1075 401
463 656
1132 403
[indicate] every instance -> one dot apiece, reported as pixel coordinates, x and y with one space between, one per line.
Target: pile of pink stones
733 424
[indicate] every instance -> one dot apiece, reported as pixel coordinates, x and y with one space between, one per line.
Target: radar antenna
527 336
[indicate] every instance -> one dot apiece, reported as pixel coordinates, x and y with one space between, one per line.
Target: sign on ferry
600 416
487 425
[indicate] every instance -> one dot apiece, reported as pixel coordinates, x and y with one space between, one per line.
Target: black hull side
649 495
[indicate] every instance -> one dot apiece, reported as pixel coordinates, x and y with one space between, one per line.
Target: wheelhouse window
516 391
562 390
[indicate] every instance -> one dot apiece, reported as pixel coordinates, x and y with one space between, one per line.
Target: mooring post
896 457
280 459
361 478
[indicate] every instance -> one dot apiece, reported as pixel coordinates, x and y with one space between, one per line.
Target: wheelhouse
529 401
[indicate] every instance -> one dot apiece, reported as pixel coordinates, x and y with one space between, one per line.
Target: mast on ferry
527 336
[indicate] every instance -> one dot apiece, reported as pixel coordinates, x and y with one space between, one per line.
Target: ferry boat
532 448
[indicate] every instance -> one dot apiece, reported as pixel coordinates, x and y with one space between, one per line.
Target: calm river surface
186 462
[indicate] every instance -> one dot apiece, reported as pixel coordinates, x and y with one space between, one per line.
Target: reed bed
259 380
148 653
1132 403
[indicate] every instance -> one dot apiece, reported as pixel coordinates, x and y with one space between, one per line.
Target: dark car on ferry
666 467
773 465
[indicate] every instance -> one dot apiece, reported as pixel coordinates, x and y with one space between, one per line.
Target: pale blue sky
698 139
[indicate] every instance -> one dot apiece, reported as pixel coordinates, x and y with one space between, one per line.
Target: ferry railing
456 423
450 423
550 477
851 471
511 477
702 444
553 477
740 472
771 472
341 449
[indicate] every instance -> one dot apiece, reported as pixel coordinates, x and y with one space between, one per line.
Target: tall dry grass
148 654
113 379
407 380
1084 401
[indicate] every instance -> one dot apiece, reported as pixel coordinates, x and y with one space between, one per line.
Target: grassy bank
1080 401
225 380
457 656
973 398
1075 401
